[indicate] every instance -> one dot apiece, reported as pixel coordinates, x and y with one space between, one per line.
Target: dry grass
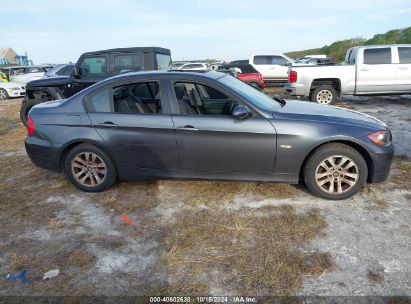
54 224
254 256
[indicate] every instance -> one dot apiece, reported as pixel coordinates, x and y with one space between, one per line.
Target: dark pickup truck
91 68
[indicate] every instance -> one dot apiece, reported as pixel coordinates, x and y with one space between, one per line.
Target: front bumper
16 93
381 165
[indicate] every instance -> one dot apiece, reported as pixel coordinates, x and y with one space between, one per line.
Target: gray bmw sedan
155 125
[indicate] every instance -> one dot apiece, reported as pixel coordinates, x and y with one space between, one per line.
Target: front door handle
188 129
365 69
403 68
107 124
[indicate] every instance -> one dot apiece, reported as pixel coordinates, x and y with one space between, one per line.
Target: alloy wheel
88 169
3 94
324 97
336 174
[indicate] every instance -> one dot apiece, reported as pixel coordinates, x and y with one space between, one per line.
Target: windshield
258 98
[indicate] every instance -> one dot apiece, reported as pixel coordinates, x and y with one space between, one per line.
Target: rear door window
405 54
261 59
377 56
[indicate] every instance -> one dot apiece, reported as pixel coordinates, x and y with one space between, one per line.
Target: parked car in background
24 74
60 70
195 66
11 89
91 68
176 65
273 67
367 70
245 72
151 125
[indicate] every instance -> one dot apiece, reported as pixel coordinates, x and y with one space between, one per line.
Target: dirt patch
376 277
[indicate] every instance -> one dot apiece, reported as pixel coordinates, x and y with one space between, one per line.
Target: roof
133 49
4 51
380 45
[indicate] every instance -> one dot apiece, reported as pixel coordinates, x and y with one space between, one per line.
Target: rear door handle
403 68
365 69
188 129
107 124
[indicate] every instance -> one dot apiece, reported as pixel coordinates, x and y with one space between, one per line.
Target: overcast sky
54 31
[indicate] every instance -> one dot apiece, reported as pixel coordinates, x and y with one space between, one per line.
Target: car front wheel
3 94
335 172
90 169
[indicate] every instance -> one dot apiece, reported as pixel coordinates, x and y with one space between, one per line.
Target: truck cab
91 68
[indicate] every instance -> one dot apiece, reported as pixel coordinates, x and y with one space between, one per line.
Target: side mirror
76 73
241 112
82 71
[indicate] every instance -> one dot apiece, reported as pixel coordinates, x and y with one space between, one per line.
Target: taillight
30 126
260 76
381 138
292 76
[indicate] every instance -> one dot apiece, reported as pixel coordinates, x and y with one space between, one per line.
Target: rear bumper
42 154
295 90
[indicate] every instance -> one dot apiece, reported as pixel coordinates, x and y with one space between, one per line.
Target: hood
10 85
49 82
314 111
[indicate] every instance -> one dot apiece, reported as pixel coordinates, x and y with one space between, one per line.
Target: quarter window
95 66
377 56
405 54
163 61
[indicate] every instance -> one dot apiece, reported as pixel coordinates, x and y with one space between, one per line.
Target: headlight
15 89
381 138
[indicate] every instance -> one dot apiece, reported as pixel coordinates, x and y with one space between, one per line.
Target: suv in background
91 68
274 67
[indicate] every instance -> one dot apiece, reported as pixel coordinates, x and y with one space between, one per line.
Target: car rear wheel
335 172
324 95
3 94
90 169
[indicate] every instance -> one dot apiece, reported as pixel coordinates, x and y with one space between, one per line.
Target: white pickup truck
367 70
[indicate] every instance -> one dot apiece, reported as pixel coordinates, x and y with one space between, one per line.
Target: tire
4 95
91 161
324 95
26 107
351 176
254 85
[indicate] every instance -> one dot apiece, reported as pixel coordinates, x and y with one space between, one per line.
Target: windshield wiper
278 99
